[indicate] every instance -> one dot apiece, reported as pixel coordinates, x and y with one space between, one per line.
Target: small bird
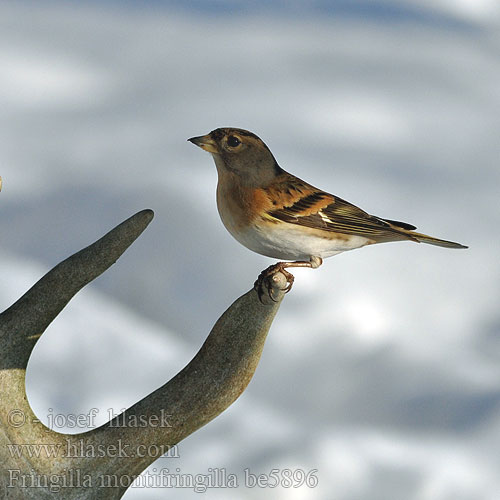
279 215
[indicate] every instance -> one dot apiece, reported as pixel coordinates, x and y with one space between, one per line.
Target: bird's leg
265 277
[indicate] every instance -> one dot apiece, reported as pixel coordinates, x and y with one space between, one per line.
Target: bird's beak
205 142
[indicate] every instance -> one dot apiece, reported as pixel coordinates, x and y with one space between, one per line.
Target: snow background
382 368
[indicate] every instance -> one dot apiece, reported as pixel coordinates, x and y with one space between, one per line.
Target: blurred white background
382 368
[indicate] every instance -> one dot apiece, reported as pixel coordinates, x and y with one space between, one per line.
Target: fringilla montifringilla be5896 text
279 215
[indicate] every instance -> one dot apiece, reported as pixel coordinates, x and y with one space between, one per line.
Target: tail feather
404 230
424 238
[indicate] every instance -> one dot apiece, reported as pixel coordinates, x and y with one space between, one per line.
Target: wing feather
308 206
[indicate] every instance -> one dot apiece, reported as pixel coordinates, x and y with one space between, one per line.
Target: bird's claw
265 280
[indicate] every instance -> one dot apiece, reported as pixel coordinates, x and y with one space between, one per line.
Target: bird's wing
297 202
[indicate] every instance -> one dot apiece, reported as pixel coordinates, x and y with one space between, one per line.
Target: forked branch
213 380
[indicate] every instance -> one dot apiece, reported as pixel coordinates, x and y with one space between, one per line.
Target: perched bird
279 215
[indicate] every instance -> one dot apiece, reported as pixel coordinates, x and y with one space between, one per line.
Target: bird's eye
233 141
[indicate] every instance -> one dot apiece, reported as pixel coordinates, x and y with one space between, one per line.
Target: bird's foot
268 278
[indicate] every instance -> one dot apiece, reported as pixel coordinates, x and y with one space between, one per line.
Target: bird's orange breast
239 207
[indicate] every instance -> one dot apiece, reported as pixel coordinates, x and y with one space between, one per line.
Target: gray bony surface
112 455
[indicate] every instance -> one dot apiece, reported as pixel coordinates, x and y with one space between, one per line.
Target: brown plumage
277 214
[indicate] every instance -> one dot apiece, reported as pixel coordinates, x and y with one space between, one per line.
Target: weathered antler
78 466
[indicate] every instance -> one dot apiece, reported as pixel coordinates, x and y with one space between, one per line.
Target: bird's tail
423 238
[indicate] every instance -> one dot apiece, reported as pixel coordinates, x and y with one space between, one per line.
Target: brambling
279 215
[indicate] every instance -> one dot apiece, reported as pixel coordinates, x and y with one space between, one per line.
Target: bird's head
240 152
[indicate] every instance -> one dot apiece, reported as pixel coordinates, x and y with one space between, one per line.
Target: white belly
290 242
